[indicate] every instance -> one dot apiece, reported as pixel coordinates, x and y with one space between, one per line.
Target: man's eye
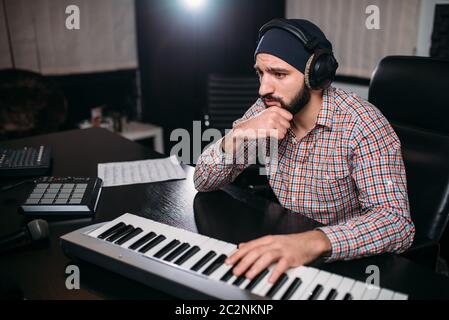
279 75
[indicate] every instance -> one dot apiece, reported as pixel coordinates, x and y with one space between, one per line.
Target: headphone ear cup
320 69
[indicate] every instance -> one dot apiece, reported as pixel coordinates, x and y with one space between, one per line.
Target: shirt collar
326 115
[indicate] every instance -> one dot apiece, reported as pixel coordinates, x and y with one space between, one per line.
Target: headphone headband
284 25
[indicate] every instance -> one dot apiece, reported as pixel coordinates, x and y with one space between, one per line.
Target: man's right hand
272 122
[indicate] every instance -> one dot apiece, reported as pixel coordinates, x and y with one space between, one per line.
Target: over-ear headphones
321 66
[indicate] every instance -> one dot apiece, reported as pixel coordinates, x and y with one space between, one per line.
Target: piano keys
166 257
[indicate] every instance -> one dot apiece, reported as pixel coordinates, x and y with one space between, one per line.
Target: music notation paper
142 171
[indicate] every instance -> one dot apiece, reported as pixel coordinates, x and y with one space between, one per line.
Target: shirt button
294 199
389 182
327 177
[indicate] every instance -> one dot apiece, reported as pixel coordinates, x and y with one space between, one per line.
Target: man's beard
298 103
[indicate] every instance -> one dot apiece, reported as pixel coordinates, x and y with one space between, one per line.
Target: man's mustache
271 97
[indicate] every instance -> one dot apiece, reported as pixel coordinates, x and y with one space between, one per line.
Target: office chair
412 92
228 98
30 104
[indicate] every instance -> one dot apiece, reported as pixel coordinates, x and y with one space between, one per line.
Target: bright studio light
194 4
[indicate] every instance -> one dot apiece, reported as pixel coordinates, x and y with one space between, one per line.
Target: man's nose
265 87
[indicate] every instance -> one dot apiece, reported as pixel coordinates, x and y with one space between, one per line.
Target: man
339 162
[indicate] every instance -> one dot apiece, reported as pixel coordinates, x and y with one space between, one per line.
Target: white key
307 275
385 294
320 279
244 283
266 286
231 280
358 289
371 292
333 283
400 296
344 288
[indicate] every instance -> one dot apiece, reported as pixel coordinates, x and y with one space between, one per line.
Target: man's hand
272 122
288 251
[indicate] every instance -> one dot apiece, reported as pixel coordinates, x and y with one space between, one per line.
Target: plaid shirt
346 173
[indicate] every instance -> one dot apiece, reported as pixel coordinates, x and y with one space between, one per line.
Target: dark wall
178 49
112 90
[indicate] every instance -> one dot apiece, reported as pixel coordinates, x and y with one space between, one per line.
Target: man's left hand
288 251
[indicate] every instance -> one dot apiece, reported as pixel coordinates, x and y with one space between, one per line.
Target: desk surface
230 214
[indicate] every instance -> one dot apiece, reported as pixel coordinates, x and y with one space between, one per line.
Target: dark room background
178 48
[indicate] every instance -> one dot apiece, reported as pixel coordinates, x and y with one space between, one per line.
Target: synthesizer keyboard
191 266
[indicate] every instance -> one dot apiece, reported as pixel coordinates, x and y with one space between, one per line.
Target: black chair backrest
412 92
228 97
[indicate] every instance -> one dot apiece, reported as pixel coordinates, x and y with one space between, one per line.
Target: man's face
281 84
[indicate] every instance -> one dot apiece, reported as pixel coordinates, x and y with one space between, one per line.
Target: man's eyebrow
273 69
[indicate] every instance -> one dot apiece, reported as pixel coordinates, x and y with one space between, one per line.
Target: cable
11 186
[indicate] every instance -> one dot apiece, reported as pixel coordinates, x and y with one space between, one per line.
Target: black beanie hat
286 46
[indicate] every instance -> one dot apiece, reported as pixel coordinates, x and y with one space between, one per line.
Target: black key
316 292
239 280
215 265
292 289
119 233
125 234
142 240
253 283
129 236
347 296
227 275
166 249
277 285
186 256
331 295
203 261
110 231
152 243
183 247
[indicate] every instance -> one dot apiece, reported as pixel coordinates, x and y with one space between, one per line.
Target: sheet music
142 171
